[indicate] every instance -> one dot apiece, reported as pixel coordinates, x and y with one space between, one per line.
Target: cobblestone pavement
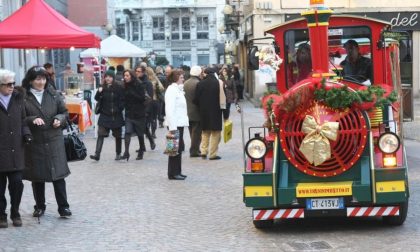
132 206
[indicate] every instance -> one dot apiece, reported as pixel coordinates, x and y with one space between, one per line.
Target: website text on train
332 143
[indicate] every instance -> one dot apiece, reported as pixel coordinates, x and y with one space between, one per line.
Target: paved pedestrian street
119 205
132 206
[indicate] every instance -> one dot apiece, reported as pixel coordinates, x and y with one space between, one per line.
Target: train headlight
256 148
389 143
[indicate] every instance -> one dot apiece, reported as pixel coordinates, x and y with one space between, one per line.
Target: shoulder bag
75 148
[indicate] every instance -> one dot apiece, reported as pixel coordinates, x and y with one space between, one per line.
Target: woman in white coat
176 119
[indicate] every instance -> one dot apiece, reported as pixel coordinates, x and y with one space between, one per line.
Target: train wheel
397 220
262 224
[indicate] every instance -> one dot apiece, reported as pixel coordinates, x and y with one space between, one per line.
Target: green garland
269 92
343 97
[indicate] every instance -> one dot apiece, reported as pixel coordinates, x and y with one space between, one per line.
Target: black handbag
75 148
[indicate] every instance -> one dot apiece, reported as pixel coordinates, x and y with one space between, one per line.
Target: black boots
139 155
127 140
99 144
151 140
118 143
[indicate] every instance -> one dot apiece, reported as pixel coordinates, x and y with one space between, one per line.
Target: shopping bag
172 144
227 131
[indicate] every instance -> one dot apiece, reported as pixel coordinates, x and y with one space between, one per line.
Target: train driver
355 66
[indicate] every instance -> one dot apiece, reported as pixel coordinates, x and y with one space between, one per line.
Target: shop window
406 59
181 60
175 28
136 30
120 29
203 60
186 31
202 27
158 28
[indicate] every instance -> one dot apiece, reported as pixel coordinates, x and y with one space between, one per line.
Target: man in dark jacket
51 75
355 66
12 122
193 112
208 99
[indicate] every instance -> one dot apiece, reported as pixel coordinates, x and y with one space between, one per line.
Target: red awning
37 25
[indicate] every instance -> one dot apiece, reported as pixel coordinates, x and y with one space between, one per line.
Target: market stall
38 26
117 51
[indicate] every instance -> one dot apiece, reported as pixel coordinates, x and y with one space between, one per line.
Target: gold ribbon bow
316 144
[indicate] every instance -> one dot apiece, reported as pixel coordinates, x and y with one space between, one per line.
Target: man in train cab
355 66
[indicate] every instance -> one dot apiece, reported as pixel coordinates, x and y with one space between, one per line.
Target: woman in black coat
135 114
111 98
45 157
13 132
230 91
140 72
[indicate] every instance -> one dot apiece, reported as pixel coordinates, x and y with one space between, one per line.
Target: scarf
38 94
5 99
222 96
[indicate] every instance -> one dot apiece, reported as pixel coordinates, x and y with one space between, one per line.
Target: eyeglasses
39 68
10 84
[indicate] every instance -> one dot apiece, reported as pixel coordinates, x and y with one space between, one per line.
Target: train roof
373 20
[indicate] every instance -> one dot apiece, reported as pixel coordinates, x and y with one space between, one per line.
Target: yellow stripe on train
258 191
326 189
390 186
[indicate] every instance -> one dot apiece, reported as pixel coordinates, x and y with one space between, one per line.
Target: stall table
81 109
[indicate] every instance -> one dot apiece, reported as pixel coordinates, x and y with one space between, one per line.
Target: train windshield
350 51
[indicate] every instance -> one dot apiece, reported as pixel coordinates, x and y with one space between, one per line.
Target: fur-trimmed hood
19 92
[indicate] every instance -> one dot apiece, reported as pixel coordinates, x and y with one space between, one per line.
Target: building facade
403 15
183 31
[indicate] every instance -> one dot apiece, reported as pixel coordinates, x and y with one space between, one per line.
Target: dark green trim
362 193
390 174
258 179
391 198
259 202
285 196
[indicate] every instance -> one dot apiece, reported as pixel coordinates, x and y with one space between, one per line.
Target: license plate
324 203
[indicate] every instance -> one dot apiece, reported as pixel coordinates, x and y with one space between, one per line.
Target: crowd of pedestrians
32 119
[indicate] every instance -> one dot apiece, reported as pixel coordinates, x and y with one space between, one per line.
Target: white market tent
114 47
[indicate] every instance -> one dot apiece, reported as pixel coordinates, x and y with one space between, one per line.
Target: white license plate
324 203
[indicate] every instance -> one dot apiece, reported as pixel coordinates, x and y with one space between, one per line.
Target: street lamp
227 10
232 18
109 28
221 29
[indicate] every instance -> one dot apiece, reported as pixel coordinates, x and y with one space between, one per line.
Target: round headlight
256 148
389 143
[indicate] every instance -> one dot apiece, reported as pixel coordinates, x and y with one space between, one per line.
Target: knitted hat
195 71
110 73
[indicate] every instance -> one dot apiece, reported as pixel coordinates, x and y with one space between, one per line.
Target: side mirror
253 60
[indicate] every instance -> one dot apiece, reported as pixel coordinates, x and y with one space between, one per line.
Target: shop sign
399 20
